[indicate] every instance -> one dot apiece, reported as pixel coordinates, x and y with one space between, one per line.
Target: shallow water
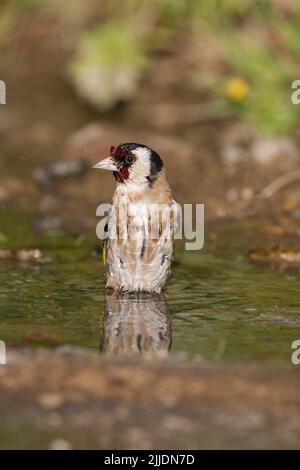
221 308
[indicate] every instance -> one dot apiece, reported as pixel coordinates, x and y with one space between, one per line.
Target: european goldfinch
138 249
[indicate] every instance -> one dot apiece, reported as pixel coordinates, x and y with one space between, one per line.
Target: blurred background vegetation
207 83
249 50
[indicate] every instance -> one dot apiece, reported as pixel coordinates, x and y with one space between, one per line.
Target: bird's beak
106 164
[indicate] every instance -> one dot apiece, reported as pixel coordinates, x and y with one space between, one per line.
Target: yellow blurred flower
237 89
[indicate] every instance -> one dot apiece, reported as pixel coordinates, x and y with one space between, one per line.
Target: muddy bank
75 399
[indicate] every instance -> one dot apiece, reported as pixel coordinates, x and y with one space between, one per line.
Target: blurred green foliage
259 40
10 12
111 44
261 45
108 55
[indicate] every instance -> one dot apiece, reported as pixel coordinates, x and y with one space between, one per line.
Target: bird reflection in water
136 324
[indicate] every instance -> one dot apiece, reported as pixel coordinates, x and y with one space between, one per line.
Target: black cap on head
156 163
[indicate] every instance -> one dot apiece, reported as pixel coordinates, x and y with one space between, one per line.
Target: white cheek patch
141 168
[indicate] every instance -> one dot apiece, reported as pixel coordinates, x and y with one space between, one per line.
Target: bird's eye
129 159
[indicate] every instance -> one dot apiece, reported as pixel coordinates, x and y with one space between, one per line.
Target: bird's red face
123 159
132 164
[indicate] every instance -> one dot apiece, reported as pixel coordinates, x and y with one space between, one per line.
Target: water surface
219 307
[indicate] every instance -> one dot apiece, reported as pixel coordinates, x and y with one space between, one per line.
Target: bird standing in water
138 248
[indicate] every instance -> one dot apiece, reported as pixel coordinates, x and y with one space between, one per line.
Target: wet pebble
60 444
279 150
23 255
59 170
50 401
46 223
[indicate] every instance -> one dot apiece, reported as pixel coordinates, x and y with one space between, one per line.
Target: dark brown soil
87 400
